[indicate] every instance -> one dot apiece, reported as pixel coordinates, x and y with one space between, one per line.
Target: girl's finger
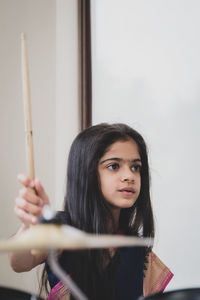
40 191
25 217
25 180
28 207
31 197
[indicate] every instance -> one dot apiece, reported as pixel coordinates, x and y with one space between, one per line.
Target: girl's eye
113 167
136 168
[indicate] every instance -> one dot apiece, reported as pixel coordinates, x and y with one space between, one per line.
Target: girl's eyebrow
121 160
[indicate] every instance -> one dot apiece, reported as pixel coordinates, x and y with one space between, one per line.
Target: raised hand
28 205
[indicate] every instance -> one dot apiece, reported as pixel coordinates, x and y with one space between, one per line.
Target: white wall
51 28
67 89
146 71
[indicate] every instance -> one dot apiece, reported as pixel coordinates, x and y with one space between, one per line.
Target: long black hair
85 207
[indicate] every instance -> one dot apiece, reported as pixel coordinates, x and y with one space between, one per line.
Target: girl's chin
127 205
124 204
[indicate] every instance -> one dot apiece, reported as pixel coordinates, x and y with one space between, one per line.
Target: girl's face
119 174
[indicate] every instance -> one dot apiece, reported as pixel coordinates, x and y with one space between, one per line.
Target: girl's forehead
127 149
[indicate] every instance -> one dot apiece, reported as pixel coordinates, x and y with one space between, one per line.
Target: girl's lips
127 193
127 189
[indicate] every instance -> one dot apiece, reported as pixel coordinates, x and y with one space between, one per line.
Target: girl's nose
127 176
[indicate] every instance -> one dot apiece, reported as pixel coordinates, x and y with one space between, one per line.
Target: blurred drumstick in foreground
46 236
27 108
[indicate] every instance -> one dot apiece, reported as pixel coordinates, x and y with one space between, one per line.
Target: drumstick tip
23 36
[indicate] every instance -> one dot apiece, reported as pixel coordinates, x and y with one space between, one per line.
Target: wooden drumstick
27 114
27 108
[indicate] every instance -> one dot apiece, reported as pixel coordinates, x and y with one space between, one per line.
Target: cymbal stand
64 277
48 214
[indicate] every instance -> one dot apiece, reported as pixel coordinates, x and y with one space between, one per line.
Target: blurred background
146 72
51 28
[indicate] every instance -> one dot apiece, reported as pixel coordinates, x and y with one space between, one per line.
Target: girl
107 192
